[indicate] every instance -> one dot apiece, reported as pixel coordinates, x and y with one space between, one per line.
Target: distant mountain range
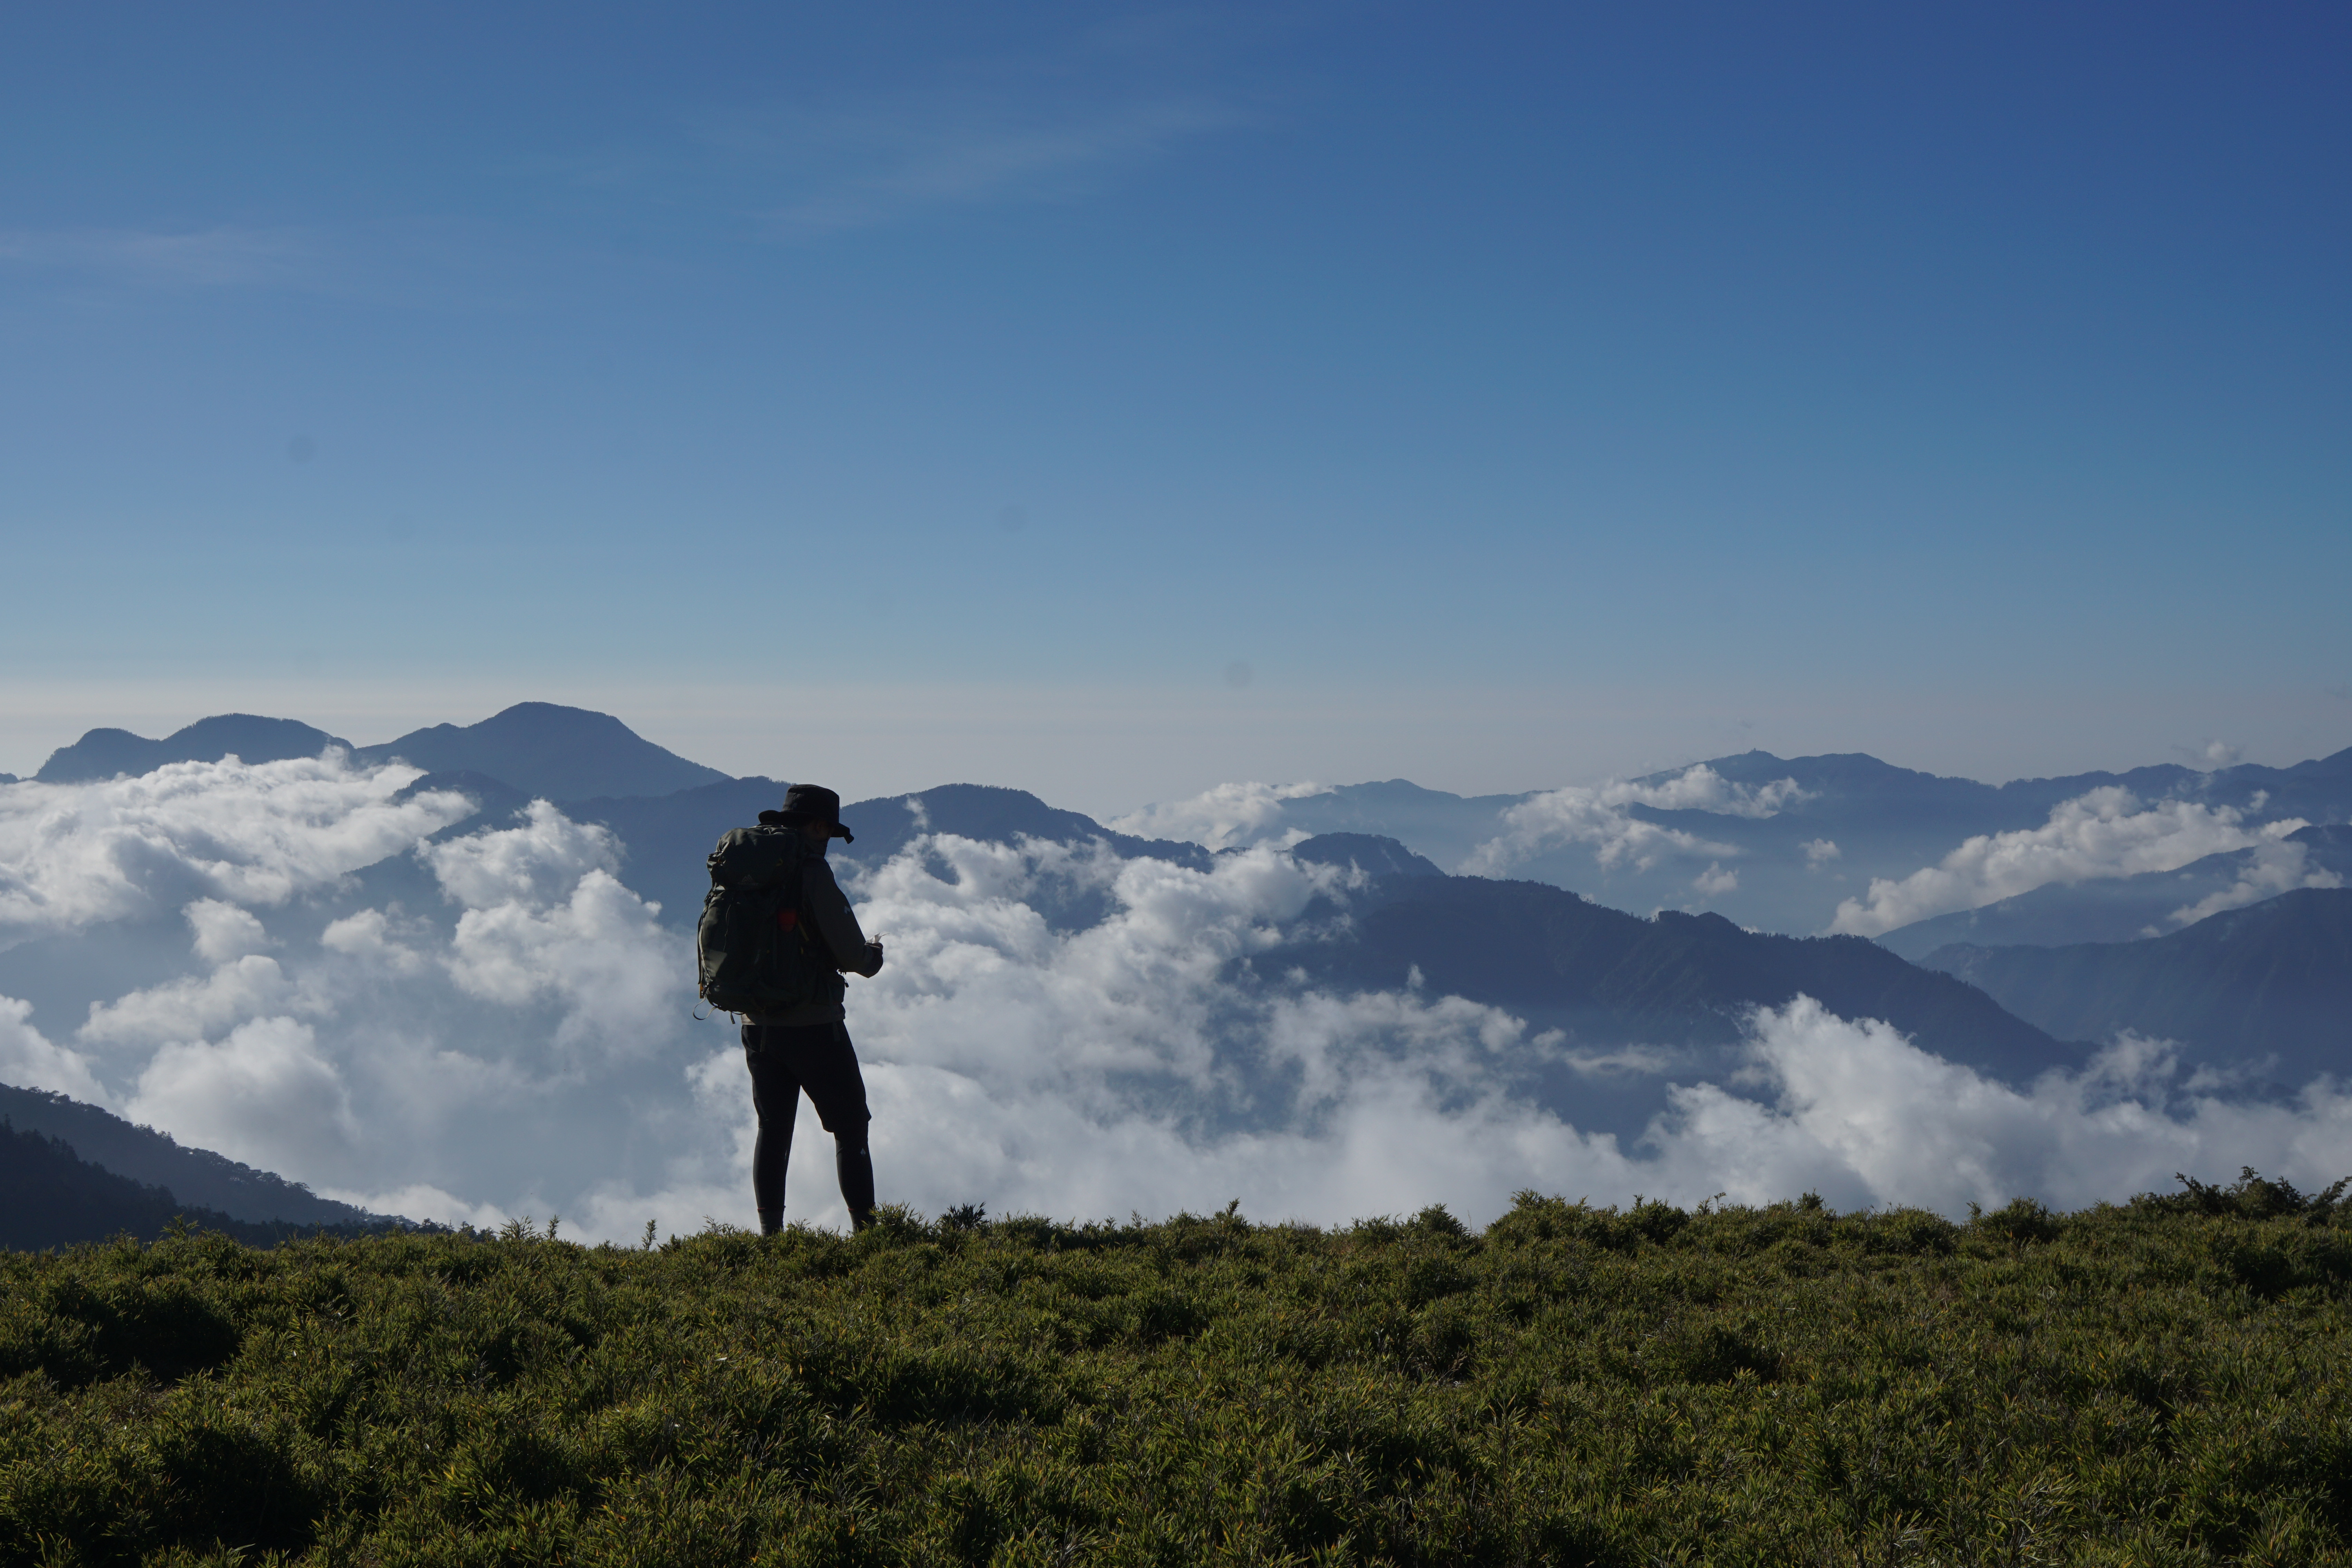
669 836
1607 976
55 1198
537 748
1834 824
108 753
2268 985
1832 821
2252 975
1857 788
2154 903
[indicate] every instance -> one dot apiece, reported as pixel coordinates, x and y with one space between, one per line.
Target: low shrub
2159 1382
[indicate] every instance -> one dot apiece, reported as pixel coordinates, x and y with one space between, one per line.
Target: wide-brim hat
815 803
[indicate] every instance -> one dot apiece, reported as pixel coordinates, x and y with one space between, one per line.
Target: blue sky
1113 400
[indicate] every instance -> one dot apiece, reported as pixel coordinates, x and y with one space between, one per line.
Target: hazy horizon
863 766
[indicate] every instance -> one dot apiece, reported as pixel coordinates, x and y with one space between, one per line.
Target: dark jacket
832 926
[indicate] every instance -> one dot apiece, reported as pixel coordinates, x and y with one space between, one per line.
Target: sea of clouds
497 1025
2102 833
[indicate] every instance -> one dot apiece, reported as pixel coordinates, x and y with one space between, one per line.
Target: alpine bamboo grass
2164 1382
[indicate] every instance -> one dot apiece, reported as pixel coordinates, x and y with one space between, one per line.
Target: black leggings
817 1057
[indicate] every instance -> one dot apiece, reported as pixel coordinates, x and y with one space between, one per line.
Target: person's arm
824 906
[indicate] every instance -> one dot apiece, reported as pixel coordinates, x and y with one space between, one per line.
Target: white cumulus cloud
1597 816
243 834
225 931
195 1006
263 1091
29 1060
525 1046
545 859
2106 831
373 937
1224 818
597 957
1859 1114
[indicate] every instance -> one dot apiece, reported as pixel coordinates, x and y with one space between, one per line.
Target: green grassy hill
2166 1382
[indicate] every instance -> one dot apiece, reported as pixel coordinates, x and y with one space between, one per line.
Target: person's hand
874 946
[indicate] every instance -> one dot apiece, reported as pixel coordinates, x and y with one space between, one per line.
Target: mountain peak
1374 854
548 749
109 753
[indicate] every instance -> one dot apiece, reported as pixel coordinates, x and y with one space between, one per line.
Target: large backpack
752 948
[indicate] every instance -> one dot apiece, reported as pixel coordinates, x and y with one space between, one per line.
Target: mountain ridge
546 749
56 1197
1613 978
111 753
200 1177
2124 908
2271 981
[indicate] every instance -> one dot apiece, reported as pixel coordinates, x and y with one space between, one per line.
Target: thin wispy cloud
883 164
394 261
1033 114
220 256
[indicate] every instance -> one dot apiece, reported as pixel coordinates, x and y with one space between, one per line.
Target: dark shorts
817 1057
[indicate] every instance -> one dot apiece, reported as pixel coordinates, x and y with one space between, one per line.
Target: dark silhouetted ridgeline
1372 854
198 1178
51 1197
2164 1382
55 1198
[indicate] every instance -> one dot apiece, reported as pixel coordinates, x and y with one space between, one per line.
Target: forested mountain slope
2270 983
50 1197
197 1177
1611 977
